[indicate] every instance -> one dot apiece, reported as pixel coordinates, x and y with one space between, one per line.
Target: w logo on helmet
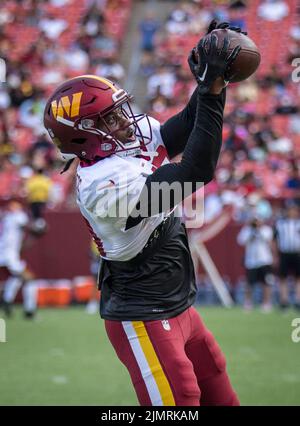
64 106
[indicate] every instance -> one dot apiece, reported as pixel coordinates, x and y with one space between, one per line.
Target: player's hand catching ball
208 62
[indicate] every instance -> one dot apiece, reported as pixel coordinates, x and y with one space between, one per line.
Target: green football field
64 358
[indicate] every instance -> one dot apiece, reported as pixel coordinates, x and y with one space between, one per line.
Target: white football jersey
11 238
108 190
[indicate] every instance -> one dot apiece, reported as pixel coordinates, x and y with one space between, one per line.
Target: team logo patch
66 107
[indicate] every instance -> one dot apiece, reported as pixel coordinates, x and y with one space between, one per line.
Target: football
248 58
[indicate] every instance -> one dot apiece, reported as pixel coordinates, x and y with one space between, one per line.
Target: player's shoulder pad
101 179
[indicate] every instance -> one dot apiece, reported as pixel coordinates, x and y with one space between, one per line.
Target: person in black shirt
287 235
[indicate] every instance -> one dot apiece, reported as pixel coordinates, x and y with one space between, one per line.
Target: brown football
248 59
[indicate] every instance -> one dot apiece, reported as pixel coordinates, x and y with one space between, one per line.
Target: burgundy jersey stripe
97 240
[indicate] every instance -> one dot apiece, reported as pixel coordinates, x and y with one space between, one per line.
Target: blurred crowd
44 42
260 162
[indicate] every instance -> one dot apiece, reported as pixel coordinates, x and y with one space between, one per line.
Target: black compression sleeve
199 158
176 131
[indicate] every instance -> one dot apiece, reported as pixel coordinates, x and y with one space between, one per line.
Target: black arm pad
199 158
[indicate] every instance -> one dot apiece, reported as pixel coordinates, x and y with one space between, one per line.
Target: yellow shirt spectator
38 188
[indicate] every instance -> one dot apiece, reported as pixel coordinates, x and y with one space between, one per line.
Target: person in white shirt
163 81
257 240
12 231
52 27
273 10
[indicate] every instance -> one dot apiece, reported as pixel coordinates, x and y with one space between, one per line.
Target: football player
147 276
12 231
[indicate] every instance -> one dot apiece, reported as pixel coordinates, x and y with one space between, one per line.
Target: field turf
64 358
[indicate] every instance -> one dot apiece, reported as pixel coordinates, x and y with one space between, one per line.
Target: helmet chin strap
67 166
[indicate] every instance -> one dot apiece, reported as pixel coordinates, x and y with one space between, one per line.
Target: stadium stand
261 133
43 43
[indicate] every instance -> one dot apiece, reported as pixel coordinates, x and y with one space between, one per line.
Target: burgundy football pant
173 362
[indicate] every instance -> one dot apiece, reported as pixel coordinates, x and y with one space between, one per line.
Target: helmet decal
63 106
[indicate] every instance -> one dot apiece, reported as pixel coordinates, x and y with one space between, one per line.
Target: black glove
223 26
207 62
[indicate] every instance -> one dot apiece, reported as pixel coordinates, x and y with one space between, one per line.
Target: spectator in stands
295 31
237 14
59 3
20 85
162 82
93 21
293 182
294 124
199 18
178 21
110 68
52 27
148 26
6 148
105 43
257 239
10 181
273 78
273 10
213 205
287 233
159 103
77 60
31 113
4 99
264 132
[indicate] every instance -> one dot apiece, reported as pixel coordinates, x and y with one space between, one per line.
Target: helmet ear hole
79 141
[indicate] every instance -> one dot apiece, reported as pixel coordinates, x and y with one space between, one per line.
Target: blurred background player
38 188
287 234
12 231
257 239
93 304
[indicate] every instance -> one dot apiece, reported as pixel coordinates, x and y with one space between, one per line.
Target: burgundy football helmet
75 114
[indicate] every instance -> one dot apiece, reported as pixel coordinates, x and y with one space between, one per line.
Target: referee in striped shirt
287 234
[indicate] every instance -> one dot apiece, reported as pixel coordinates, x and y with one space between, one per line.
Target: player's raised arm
176 130
202 150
